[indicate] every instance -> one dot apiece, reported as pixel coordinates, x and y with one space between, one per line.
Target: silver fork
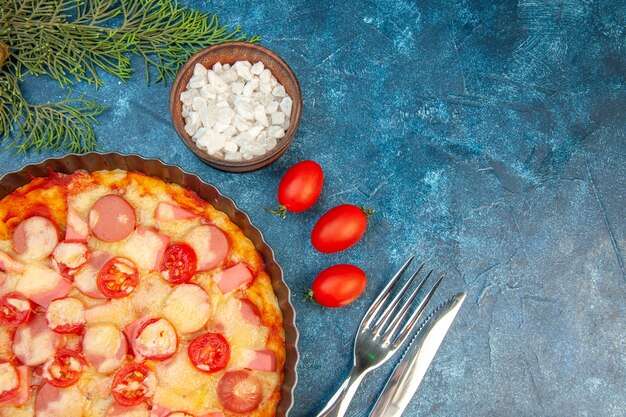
383 329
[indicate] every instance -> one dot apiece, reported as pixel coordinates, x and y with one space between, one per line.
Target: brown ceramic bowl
95 161
229 53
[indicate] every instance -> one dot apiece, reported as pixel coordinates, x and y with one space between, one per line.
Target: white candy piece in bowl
235 112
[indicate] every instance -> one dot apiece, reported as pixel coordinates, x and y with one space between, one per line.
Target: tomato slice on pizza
209 352
133 384
118 277
64 369
179 263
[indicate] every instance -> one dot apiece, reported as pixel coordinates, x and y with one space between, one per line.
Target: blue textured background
490 138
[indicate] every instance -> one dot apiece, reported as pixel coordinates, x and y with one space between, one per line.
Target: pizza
124 295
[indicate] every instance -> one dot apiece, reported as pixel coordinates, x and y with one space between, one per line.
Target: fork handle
338 404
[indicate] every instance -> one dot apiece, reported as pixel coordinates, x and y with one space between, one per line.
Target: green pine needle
66 124
73 41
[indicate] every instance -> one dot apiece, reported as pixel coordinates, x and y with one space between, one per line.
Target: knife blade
409 373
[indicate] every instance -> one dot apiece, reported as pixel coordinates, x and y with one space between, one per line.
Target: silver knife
409 373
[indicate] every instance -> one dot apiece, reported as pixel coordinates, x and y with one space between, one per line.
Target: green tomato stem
281 210
369 212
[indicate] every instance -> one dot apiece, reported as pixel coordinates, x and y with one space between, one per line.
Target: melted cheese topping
148 298
118 312
97 387
6 339
65 311
8 377
82 202
68 404
145 248
132 412
85 280
208 244
183 387
34 344
104 341
70 254
41 238
237 330
37 279
187 308
158 338
77 223
16 411
101 340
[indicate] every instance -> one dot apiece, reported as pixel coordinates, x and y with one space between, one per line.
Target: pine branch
63 125
11 101
79 40
167 35
71 41
44 39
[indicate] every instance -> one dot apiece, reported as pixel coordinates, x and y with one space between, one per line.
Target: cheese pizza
123 295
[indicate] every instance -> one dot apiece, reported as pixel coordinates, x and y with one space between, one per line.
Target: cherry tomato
179 263
300 188
11 392
117 278
64 369
209 352
133 384
14 309
339 228
239 391
338 285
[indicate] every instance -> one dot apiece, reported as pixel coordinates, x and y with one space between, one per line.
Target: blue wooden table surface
490 139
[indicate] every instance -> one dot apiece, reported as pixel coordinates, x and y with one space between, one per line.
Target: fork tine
376 305
391 306
404 311
414 318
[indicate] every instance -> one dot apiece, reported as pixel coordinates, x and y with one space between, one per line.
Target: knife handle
338 404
